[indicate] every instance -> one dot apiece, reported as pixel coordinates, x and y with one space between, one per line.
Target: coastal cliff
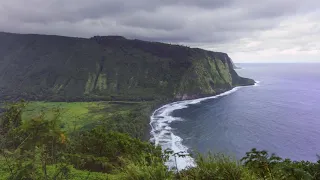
56 68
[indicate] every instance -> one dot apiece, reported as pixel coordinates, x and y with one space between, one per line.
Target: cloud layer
249 30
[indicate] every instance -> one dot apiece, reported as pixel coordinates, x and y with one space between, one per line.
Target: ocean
280 114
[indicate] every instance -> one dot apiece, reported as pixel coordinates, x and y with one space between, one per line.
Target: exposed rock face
211 74
109 68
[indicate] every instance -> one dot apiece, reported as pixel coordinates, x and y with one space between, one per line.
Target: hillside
56 68
103 139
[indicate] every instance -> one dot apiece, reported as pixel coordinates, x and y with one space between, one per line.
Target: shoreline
162 134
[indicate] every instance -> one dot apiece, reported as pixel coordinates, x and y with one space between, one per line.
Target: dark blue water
280 115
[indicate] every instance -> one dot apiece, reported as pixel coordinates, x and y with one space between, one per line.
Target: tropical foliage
40 148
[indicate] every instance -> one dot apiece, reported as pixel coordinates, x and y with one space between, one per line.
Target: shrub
216 167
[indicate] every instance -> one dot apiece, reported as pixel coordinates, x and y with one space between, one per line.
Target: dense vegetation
39 147
125 117
91 104
56 68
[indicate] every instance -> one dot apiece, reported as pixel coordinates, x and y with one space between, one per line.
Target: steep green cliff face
109 68
211 73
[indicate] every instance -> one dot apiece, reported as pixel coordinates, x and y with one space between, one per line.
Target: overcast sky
248 30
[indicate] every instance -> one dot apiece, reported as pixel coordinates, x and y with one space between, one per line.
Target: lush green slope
109 68
131 118
38 148
101 139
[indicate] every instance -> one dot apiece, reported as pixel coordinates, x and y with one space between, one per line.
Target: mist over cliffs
45 67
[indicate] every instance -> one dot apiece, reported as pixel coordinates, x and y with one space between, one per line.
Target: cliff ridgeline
56 68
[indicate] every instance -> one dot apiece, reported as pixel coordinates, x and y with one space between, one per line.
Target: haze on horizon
248 30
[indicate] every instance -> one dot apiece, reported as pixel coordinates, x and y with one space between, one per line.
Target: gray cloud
213 24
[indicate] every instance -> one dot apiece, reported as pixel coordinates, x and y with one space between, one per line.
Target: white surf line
163 135
257 83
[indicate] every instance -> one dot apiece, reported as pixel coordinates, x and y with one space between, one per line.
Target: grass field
121 116
75 115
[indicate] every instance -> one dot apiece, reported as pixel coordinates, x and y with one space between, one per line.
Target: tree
30 146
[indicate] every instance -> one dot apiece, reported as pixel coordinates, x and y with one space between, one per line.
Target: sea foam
257 83
162 134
